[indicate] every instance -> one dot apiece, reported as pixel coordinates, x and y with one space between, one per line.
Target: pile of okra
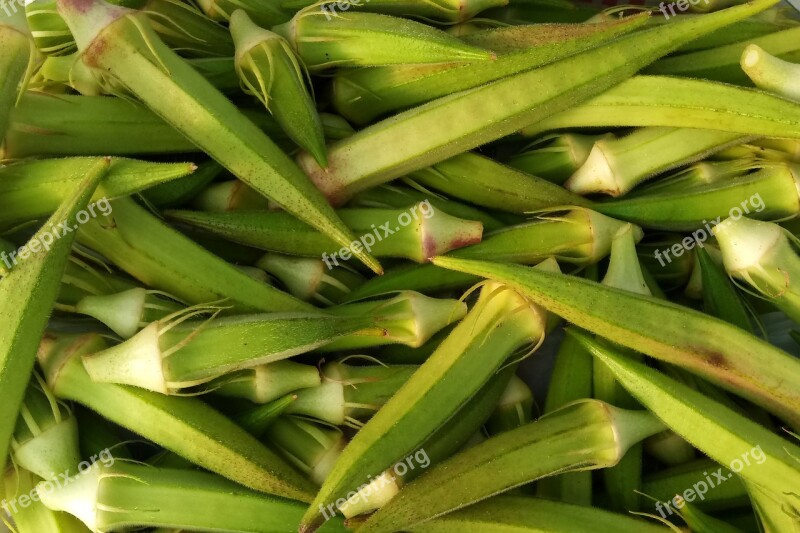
424 266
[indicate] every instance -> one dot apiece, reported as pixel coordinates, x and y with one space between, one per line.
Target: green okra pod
529 515
771 73
186 426
127 312
573 235
585 435
514 408
324 38
722 63
392 196
312 448
17 60
350 395
481 181
32 189
417 232
615 166
500 324
118 43
46 125
126 494
756 454
176 353
45 441
555 158
35 517
724 354
454 124
696 175
310 279
27 293
771 193
761 255
365 94
720 298
269 70
265 383
667 101
265 14
409 318
160 257
726 495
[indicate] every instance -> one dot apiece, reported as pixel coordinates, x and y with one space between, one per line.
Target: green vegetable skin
611 195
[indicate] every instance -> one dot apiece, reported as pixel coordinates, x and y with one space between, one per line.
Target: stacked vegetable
283 266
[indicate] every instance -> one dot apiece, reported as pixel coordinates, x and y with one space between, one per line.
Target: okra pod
771 193
499 324
771 73
17 60
27 293
350 395
268 69
499 108
529 515
34 188
615 166
265 383
324 39
120 45
310 279
725 355
722 63
667 101
183 425
578 236
735 439
366 94
586 435
409 318
481 181
160 257
761 255
125 494
417 232
176 353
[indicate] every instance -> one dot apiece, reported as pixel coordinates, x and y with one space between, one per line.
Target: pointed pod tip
306 527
